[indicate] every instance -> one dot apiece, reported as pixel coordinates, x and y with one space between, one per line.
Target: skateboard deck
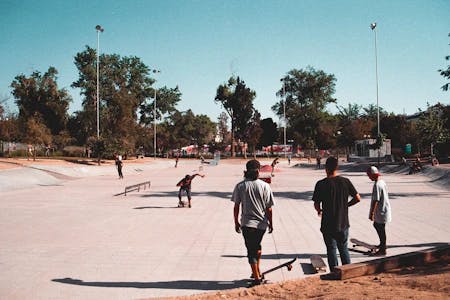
318 263
288 265
369 247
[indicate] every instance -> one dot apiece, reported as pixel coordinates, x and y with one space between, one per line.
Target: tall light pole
154 119
99 29
373 26
284 115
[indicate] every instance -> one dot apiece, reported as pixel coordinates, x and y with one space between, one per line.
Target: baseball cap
373 170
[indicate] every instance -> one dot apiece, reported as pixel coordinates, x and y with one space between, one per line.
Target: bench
137 187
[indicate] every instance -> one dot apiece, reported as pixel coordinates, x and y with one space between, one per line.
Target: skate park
68 231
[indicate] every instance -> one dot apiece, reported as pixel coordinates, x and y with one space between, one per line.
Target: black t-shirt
333 193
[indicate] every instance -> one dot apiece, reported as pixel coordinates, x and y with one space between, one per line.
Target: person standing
330 198
380 208
185 185
273 165
119 165
256 199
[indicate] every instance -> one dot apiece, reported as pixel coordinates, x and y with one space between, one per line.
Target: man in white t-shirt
380 208
256 198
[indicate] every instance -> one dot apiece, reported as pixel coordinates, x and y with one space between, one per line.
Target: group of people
331 201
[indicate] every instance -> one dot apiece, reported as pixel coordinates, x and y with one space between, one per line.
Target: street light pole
373 26
99 29
154 119
284 115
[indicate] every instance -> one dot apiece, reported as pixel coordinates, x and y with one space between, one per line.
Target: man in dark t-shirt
330 198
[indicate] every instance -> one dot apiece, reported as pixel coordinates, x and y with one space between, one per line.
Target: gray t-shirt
256 196
380 194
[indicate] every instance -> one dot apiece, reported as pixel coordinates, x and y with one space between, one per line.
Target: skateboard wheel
289 267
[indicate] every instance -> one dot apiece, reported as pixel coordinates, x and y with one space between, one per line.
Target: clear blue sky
198 45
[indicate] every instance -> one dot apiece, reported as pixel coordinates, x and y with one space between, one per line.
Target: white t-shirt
256 196
380 194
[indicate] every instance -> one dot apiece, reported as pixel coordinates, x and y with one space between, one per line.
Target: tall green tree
269 133
432 126
306 93
446 73
186 128
237 100
125 86
42 105
222 127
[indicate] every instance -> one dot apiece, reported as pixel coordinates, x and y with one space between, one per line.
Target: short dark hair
252 171
331 164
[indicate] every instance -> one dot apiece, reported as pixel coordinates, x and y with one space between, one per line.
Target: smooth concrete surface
70 237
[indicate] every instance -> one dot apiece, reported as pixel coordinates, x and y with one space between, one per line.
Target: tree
183 129
446 73
222 128
269 132
166 101
126 85
432 126
306 93
352 112
253 132
42 106
237 100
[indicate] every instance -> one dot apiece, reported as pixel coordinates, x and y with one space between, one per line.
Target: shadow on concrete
307 269
437 244
305 196
176 284
277 256
146 207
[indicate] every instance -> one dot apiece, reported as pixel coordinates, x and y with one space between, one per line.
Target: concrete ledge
440 253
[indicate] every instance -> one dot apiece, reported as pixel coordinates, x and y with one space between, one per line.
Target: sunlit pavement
74 237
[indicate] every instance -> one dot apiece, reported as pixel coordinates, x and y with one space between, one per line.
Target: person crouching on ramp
185 185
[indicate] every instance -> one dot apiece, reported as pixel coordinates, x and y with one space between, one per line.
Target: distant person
185 185
318 162
330 198
177 159
119 165
273 164
289 159
380 208
434 161
256 199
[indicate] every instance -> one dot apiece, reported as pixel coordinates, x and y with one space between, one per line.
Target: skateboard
370 248
318 263
288 265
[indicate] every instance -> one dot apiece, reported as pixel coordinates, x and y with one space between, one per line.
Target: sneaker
189 206
254 282
379 252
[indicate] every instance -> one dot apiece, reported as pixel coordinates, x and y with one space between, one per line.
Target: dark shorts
253 238
187 190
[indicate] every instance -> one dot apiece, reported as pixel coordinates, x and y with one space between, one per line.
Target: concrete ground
65 233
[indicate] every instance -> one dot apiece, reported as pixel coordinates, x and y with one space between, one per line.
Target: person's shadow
203 285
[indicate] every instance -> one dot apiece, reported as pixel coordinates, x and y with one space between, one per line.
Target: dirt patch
425 282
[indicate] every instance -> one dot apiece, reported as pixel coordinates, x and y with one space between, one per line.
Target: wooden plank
391 262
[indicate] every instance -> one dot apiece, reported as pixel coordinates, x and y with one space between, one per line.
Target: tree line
127 112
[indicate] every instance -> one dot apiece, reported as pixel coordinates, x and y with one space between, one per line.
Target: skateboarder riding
185 185
256 199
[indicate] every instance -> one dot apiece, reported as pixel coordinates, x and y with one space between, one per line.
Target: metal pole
154 126
373 26
99 29
284 117
154 120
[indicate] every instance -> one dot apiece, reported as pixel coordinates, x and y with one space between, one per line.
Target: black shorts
253 238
